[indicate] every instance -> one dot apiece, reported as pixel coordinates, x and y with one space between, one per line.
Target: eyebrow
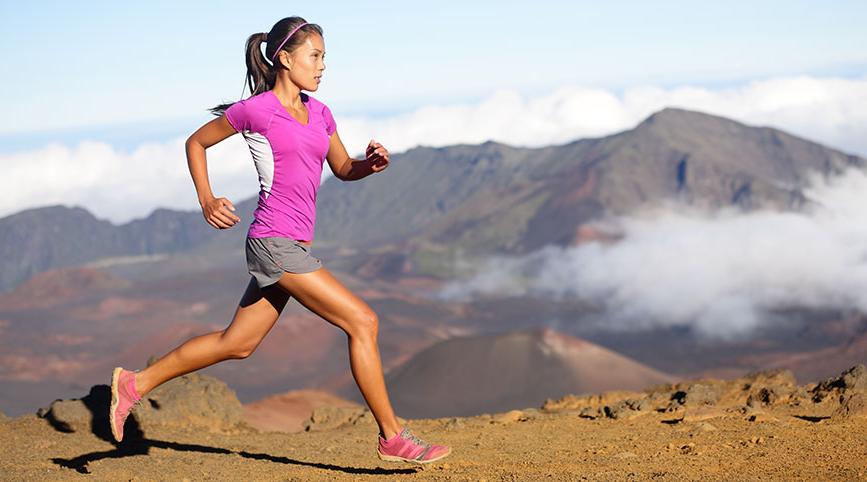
317 50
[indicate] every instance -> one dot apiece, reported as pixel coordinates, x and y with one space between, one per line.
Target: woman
289 134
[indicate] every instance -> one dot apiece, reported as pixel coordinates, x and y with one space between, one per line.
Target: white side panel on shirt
263 157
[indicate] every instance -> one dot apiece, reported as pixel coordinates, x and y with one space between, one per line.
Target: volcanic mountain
475 198
470 375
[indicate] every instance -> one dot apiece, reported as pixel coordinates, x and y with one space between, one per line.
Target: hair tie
284 41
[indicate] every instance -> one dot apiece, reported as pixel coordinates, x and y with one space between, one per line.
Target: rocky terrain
761 426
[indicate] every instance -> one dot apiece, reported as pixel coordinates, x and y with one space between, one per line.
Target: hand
377 156
217 214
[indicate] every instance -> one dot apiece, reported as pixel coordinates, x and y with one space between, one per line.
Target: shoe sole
115 378
395 458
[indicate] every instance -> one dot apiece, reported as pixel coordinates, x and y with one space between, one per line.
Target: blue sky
103 94
125 71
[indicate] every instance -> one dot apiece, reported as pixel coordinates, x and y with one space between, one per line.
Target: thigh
320 292
257 312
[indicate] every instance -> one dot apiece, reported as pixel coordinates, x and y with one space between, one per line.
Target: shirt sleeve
330 125
238 115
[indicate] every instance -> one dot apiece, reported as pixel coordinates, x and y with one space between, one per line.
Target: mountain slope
475 199
505 371
494 197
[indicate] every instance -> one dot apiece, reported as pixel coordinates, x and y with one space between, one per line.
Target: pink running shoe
124 398
406 447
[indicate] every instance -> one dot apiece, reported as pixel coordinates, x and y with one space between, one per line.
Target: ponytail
261 72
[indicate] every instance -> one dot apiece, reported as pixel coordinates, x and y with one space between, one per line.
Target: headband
284 41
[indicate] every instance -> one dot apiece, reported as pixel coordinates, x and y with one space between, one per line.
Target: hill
470 375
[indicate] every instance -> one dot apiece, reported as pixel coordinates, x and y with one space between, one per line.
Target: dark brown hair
261 73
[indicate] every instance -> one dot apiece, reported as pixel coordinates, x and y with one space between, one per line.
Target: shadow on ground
135 443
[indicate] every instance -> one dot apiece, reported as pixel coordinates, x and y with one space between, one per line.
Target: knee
239 350
364 324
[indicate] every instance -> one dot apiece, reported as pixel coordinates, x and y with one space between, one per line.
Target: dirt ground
527 445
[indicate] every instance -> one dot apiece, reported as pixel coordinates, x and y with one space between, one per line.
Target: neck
287 92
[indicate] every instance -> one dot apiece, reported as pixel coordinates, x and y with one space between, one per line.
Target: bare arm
217 211
347 169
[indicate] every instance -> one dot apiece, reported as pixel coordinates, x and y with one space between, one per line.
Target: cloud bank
718 272
121 185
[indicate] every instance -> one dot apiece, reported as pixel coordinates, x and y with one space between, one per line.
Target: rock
769 378
89 413
852 406
574 402
769 387
700 413
191 400
329 418
366 418
853 379
697 394
70 415
591 413
511 416
763 397
627 409
532 413
194 400
454 423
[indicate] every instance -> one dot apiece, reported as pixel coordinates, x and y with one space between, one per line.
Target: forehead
313 41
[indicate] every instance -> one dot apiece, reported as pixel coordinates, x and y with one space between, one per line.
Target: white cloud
719 272
120 186
832 111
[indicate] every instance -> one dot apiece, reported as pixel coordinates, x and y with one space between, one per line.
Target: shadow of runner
143 445
135 443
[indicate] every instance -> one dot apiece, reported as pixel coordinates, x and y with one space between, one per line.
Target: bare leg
256 314
321 293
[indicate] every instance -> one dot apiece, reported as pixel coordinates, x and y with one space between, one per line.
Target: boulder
627 409
851 380
191 400
852 406
329 418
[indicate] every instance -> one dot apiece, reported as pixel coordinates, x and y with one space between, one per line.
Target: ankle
139 384
389 433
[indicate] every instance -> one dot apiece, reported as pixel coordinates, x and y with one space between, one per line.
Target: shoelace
132 407
411 436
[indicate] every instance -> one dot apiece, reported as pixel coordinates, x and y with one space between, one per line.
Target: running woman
290 134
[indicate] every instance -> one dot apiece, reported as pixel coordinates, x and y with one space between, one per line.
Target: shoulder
316 104
251 114
258 100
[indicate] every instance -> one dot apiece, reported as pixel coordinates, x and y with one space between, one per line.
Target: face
307 62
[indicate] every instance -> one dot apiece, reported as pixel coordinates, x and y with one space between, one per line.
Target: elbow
193 143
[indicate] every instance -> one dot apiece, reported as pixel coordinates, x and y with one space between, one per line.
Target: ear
285 59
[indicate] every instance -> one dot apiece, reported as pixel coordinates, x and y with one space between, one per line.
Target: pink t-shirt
288 157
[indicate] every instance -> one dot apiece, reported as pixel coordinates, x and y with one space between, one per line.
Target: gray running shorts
268 258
